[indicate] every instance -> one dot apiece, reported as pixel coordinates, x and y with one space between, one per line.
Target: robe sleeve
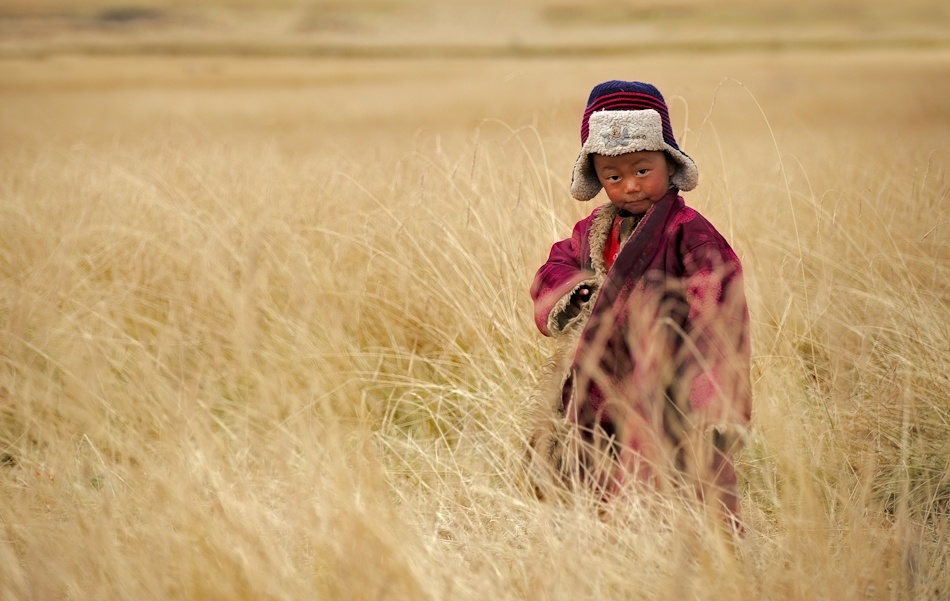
718 336
555 283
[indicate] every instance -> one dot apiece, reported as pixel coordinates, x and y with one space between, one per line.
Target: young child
650 386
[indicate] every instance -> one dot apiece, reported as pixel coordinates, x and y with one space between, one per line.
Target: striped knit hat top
622 117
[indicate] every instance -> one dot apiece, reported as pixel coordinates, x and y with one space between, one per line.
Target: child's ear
670 165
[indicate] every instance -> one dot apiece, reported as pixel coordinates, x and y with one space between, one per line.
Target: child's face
634 181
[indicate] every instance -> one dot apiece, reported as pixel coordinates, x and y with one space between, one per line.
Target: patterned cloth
624 224
660 370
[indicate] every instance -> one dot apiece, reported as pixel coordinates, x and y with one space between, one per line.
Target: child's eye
613 178
642 172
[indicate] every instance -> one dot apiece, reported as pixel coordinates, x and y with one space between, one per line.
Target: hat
621 117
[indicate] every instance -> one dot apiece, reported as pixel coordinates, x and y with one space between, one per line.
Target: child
651 381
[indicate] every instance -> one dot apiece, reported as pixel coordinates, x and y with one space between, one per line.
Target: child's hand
578 300
581 296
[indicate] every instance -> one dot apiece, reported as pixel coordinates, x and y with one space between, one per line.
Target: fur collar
597 238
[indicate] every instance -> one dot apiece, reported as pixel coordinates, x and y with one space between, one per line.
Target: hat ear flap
584 182
686 175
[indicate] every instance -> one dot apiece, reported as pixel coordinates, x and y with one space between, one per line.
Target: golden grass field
265 330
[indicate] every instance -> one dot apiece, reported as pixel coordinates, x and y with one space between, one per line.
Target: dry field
264 322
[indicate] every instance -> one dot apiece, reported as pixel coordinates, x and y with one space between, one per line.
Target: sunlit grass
274 342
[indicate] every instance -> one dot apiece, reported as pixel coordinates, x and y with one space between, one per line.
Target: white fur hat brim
614 133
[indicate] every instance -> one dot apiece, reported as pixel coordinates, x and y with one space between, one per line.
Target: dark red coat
660 352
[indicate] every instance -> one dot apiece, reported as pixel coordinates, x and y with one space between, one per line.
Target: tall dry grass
266 335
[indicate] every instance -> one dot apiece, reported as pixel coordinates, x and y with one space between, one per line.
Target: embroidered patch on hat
617 136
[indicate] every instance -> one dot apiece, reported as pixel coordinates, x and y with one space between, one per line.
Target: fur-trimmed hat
621 117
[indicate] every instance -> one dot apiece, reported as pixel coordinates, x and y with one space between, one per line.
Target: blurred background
456 27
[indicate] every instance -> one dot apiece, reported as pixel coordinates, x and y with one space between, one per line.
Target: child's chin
639 206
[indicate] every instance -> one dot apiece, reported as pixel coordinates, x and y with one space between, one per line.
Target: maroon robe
659 380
